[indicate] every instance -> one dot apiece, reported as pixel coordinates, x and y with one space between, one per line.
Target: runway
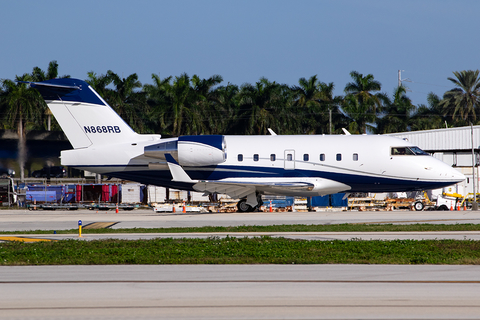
319 236
240 292
22 220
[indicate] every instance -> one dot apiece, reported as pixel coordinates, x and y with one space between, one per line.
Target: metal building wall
452 139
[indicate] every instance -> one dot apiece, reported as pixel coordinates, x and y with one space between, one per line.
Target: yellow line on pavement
23 239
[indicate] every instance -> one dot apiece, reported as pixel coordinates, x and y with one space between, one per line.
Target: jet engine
191 151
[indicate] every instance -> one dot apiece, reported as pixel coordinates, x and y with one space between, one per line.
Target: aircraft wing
242 188
248 187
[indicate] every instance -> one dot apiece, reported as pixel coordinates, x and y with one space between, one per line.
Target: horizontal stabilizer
84 116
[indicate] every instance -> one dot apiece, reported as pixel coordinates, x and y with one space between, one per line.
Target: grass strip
231 250
346 227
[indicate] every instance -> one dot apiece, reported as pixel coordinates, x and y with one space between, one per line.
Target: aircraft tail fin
83 115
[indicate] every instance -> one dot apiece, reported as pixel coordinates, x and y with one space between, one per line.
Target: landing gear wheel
418 206
242 206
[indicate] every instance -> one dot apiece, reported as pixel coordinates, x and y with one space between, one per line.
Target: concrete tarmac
240 292
22 220
319 236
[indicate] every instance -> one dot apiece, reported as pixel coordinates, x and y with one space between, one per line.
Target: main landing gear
243 206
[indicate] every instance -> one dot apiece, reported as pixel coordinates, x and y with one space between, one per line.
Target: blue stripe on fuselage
358 183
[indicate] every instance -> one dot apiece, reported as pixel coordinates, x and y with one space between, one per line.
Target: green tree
428 117
463 102
23 105
397 112
159 101
260 106
99 83
201 114
362 89
310 115
225 112
332 104
129 104
359 115
180 96
39 75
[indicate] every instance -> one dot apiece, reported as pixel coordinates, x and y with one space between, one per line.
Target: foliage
463 102
346 227
231 250
184 105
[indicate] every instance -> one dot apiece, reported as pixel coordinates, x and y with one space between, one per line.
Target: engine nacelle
205 150
191 151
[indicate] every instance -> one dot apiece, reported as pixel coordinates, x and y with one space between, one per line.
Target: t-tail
84 116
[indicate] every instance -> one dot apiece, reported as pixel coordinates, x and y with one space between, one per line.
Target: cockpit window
408 151
418 151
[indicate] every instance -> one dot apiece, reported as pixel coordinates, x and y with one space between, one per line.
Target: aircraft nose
453 175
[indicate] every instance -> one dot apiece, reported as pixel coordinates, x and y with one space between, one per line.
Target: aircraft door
289 160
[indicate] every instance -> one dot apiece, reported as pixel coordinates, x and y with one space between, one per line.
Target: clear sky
245 40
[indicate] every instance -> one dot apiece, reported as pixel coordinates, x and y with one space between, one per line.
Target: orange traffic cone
116 208
270 210
464 207
451 207
173 207
184 208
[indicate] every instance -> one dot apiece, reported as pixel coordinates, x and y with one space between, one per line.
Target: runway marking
99 225
23 239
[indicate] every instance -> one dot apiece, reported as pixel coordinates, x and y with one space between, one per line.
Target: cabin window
339 157
272 157
255 157
240 157
289 157
322 157
355 157
305 157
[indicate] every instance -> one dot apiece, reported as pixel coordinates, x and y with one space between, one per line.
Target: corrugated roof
451 139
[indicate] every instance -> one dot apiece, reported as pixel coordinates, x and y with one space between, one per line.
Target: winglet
178 174
346 132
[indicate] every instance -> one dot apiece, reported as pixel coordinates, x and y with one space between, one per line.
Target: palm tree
99 83
259 106
40 75
464 100
428 117
159 102
180 96
361 88
360 115
332 104
201 114
129 104
225 109
397 112
22 104
308 97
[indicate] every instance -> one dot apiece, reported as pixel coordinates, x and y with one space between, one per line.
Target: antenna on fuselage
271 132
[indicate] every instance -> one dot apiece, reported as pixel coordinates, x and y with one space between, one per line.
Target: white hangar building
454 147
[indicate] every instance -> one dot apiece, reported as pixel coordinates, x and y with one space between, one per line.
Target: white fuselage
347 162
